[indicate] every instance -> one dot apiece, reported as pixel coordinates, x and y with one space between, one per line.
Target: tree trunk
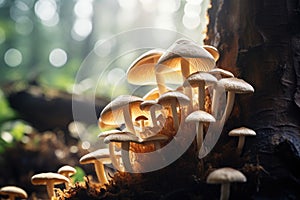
259 41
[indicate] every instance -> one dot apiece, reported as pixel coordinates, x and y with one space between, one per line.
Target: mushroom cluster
133 124
187 94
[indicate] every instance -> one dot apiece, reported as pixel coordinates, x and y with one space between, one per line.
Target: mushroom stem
241 144
125 156
229 106
11 197
199 135
174 115
153 116
201 95
185 71
50 189
113 157
215 101
127 119
225 191
160 83
100 171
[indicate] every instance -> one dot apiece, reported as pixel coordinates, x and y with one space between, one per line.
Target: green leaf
79 176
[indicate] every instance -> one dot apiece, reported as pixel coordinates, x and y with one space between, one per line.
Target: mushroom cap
107 133
103 125
101 155
13 190
153 94
236 85
197 77
213 51
148 104
221 73
200 116
67 169
112 114
44 178
242 131
168 97
225 175
142 70
198 58
141 117
157 137
123 137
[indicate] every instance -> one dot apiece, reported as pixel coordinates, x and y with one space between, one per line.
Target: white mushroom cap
66 169
44 178
179 97
157 137
142 70
221 73
13 191
200 116
236 85
242 131
121 137
197 77
213 51
199 58
101 155
225 175
107 133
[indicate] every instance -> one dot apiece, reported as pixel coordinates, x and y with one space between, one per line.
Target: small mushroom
49 179
67 171
151 106
141 121
233 86
225 176
200 117
13 192
174 99
200 80
124 138
98 158
241 132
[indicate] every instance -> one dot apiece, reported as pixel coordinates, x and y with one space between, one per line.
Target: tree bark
259 41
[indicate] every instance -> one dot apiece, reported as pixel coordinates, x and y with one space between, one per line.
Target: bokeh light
13 57
24 25
45 9
83 9
81 29
58 57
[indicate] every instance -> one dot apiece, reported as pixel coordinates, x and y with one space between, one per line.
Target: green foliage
79 176
6 112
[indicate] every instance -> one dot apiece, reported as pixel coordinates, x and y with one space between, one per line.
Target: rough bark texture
259 41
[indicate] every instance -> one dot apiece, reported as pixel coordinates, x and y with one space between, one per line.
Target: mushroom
151 106
153 94
201 117
174 99
213 51
67 171
186 57
217 91
124 138
13 192
113 156
233 86
49 179
141 121
225 176
200 80
98 158
122 109
241 132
